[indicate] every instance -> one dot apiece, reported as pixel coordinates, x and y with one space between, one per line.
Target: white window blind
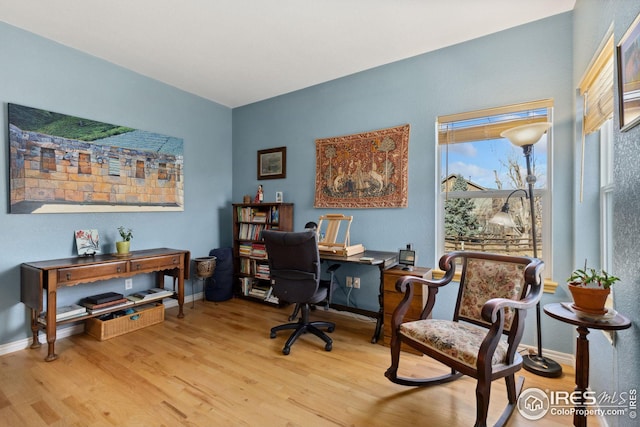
487 124
596 89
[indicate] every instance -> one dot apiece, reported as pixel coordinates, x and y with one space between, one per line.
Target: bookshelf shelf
250 265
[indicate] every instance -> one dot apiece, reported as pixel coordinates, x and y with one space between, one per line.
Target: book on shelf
103 298
91 306
244 249
126 303
259 216
272 299
68 311
150 294
260 291
258 250
250 231
262 271
245 285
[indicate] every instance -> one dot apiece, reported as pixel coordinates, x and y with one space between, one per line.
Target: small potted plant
122 247
590 289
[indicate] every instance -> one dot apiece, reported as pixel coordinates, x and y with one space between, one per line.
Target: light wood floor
218 367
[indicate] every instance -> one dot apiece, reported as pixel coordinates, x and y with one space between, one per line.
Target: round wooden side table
565 314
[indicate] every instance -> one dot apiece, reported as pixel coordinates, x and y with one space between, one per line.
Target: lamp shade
526 134
504 219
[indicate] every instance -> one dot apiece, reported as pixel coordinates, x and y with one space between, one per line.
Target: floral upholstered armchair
495 292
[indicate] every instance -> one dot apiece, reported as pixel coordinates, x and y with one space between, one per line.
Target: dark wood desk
35 277
383 260
563 314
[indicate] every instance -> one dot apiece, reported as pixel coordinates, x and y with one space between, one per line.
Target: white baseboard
561 358
77 329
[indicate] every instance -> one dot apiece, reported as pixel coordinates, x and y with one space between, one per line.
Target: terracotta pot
590 300
123 247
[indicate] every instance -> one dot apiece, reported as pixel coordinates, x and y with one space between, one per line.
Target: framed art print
68 164
87 242
272 163
628 56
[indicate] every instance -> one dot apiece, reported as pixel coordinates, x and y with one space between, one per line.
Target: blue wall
40 73
526 63
544 59
614 368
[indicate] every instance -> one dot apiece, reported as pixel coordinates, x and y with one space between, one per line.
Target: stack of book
262 292
104 302
262 271
259 216
258 250
244 249
149 295
68 312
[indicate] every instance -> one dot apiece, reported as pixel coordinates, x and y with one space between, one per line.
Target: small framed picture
628 56
272 163
87 242
279 197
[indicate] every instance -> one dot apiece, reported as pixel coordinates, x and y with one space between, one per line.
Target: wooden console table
35 277
617 323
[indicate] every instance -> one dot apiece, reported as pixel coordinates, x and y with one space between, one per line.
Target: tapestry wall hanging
365 170
61 164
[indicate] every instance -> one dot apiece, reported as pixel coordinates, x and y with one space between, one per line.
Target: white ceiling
236 52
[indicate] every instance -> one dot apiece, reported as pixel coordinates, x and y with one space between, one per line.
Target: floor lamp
526 136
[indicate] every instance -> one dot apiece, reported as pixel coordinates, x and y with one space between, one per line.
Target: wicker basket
143 317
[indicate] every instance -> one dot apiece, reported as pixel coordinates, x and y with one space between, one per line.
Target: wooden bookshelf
250 265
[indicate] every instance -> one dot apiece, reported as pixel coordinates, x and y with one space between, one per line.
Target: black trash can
219 287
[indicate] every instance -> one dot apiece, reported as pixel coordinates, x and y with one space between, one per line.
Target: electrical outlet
356 282
349 281
128 283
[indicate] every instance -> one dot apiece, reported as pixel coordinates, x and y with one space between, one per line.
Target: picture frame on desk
87 242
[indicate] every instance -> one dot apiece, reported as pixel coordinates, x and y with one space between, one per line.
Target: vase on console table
122 248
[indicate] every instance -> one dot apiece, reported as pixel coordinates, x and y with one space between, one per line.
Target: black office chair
329 284
294 267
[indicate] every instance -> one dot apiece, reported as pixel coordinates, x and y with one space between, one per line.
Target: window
47 160
162 171
84 163
478 170
596 89
114 166
140 169
606 195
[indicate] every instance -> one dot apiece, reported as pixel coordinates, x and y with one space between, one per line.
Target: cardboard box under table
143 316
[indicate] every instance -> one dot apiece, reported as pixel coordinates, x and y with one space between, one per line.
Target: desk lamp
526 136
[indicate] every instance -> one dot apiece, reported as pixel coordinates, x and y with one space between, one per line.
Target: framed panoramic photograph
272 163
68 164
628 56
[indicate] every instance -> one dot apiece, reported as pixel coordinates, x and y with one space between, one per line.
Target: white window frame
606 195
546 252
